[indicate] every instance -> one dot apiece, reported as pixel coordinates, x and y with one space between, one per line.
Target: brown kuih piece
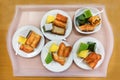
94 20
30 38
58 59
26 48
61 18
87 27
59 24
36 41
61 49
67 51
58 30
61 61
33 39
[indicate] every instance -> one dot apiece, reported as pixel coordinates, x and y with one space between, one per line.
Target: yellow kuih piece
50 19
83 54
54 47
21 40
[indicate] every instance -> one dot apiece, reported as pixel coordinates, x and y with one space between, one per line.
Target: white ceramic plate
55 66
23 31
52 36
99 49
79 12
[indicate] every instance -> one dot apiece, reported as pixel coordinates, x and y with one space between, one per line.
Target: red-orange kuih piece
61 18
92 59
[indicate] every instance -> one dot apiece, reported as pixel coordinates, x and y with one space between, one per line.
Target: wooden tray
32 15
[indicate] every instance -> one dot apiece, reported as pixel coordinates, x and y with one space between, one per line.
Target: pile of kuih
58 53
56 25
86 51
87 22
30 42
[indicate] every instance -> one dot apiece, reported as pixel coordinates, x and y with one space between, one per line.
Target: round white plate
55 66
23 31
93 11
52 36
99 49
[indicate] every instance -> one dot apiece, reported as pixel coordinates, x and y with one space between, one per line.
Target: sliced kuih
83 46
92 59
80 20
83 54
49 58
91 46
54 47
87 14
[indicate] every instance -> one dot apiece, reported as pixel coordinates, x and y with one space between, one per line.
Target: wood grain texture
7 11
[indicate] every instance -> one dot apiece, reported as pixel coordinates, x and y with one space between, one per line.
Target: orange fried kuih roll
36 41
92 59
33 39
61 49
59 24
26 48
30 38
58 59
67 51
61 18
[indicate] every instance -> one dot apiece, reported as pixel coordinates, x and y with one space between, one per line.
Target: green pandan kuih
49 58
83 18
92 46
83 46
87 14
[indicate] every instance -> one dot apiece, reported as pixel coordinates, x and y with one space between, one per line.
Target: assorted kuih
30 42
87 22
56 24
58 53
86 51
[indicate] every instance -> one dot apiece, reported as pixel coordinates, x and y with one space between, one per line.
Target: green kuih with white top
83 18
